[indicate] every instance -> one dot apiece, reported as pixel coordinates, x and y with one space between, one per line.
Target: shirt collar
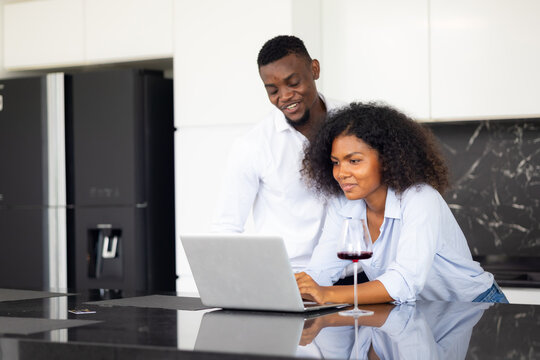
356 209
392 207
281 123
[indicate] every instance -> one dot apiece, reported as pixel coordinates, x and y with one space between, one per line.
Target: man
264 165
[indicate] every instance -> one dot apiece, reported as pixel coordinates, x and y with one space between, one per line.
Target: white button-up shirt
421 252
263 175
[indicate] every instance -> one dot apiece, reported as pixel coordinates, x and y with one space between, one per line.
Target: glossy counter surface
425 330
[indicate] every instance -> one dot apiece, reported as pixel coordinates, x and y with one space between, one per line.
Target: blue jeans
492 295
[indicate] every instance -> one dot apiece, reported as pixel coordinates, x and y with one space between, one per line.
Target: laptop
248 272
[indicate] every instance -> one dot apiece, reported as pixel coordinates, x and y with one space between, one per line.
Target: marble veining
495 179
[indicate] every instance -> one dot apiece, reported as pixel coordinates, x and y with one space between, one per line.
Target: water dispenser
104 252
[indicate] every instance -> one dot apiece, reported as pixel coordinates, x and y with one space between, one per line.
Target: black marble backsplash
495 183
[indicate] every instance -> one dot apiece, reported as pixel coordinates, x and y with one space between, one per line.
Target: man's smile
291 107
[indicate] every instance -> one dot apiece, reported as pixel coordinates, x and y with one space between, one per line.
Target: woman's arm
312 327
372 292
416 246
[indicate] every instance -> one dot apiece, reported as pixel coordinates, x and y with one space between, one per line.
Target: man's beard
300 122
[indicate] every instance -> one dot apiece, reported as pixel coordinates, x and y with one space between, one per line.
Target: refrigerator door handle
106 253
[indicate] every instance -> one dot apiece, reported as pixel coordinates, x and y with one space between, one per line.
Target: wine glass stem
356 337
355 282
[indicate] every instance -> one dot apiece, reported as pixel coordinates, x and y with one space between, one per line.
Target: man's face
290 84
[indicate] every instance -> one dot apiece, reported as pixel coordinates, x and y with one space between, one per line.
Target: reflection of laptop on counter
244 332
239 271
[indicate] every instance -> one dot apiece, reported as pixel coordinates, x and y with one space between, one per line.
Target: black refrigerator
120 180
24 199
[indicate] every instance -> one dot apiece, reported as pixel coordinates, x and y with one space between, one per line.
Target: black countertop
424 330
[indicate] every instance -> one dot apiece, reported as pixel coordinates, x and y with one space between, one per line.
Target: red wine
354 256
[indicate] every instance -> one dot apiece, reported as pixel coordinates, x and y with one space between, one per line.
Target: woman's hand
309 289
312 327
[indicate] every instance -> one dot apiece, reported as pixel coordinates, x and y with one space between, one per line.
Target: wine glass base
356 312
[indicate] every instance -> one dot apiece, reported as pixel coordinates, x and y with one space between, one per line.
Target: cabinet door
124 30
485 58
377 50
40 34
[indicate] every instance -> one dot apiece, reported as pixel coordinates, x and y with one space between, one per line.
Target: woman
383 167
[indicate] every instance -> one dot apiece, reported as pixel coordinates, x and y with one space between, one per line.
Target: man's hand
309 289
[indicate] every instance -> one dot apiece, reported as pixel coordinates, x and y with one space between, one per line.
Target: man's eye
270 89
294 84
355 161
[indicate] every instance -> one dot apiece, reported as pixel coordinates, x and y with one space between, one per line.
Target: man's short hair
281 46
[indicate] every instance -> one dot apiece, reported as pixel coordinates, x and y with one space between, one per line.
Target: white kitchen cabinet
43 33
530 296
122 30
377 50
485 58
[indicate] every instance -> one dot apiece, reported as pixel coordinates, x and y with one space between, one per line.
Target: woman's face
356 167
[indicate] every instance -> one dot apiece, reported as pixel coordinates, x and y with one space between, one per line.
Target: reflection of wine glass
355 244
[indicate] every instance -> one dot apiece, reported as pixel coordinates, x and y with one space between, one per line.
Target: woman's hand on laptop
309 289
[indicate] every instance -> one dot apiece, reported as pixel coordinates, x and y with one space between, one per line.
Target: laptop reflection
249 332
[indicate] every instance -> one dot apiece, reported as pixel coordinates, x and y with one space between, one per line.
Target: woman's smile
347 187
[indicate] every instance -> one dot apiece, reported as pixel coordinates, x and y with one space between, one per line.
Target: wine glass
355 244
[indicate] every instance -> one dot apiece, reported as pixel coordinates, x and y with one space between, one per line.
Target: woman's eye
334 163
355 161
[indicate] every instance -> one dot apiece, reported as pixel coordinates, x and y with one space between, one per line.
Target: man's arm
239 187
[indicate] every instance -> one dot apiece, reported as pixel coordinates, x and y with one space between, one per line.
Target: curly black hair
281 46
408 151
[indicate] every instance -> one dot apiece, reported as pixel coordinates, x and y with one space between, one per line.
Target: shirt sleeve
405 277
239 187
325 267
397 320
408 335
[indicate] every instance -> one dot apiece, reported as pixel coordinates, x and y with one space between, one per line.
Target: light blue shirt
421 252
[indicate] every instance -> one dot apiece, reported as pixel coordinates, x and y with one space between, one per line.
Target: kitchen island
129 325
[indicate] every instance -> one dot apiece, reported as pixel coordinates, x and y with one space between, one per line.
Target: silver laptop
240 271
